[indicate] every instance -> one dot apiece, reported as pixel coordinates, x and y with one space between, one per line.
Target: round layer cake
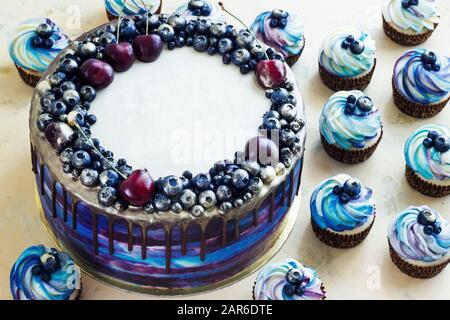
155 115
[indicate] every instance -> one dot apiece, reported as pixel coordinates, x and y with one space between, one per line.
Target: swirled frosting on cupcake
43 273
30 57
341 203
347 52
287 39
409 15
131 7
421 234
213 12
423 76
426 155
288 280
349 119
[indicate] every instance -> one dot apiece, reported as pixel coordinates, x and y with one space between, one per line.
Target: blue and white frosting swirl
290 40
25 55
64 283
342 62
360 129
131 7
429 163
215 15
328 212
272 279
418 84
407 237
415 18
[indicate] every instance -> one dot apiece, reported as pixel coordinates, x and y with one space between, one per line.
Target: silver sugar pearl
280 168
268 174
197 211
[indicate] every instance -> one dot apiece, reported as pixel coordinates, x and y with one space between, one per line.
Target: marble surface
365 272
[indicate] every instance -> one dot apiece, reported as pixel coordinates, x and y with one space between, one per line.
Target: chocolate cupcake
427 155
35 44
350 126
282 31
419 242
421 83
342 211
410 22
201 9
42 273
288 280
116 8
347 59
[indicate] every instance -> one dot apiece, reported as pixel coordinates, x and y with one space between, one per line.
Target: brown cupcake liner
337 83
341 241
414 109
405 39
415 271
425 187
349 156
31 78
113 17
293 59
321 288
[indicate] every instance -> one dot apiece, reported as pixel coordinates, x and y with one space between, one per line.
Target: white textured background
363 272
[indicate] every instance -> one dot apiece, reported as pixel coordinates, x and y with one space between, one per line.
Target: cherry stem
248 29
146 16
119 22
89 140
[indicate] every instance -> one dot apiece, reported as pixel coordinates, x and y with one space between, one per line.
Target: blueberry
67 85
176 207
149 208
428 143
188 198
179 42
223 193
240 179
294 276
243 39
240 57
46 100
224 45
187 174
166 32
203 26
288 112
211 50
442 144
71 97
57 108
272 114
75 117
279 96
177 22
36 41
172 185
88 93
68 66
351 99
255 185
44 30
364 103
128 29
357 47
251 167
344 198
337 190
226 59
279 14
36 270
283 23
162 202
244 69
195 4
428 230
109 178
82 144
426 217
432 134
106 38
91 119
413 2
352 187
171 45
89 177
43 121
107 196
428 57
218 29
206 10
87 50
189 41
405 4
207 199
287 137
201 181
350 38
197 211
66 155
436 67
437 230
220 166
273 23
345 44
200 43
428 66
300 290
349 108
289 289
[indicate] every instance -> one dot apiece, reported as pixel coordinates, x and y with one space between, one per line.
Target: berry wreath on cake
175 234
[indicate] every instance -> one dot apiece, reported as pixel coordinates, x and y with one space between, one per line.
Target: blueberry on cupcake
35 44
342 211
347 59
201 9
427 155
421 83
410 22
288 280
120 8
350 126
282 31
42 273
419 242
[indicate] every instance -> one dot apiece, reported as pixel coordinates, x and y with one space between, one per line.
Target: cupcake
288 280
350 126
421 83
282 31
201 9
342 211
43 273
35 44
427 155
419 242
410 22
120 8
347 59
